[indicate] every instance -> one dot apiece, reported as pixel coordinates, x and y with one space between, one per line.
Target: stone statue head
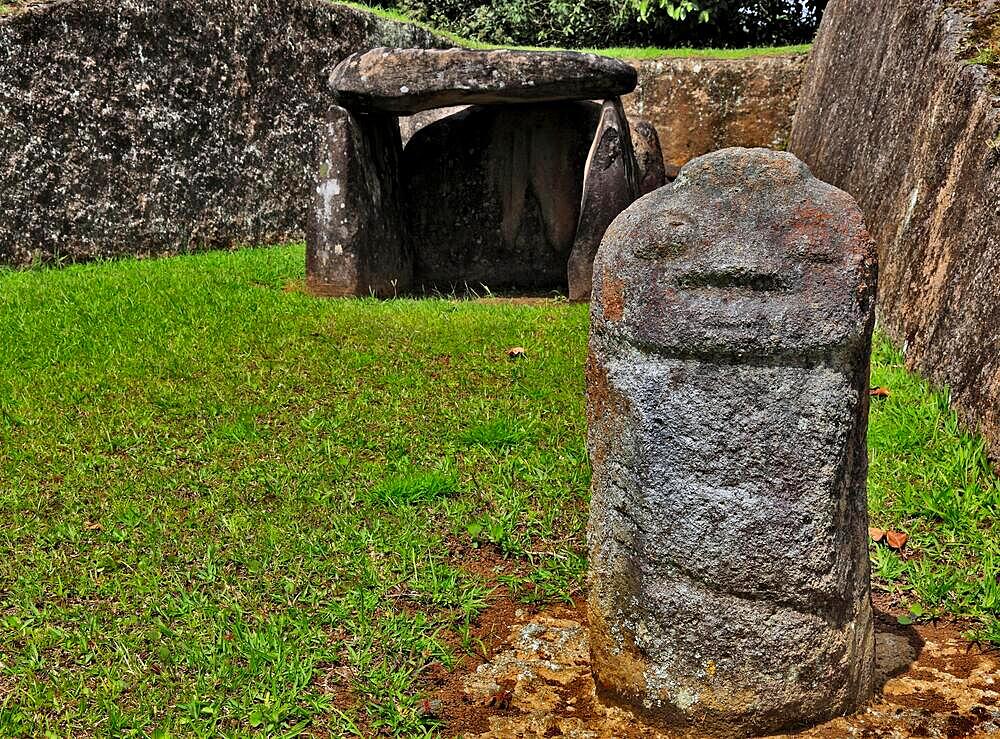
745 254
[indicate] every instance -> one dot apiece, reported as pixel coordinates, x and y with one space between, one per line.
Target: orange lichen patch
620 669
810 223
612 297
604 404
933 683
598 388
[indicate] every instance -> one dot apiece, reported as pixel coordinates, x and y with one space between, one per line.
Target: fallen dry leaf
879 392
429 708
896 539
877 535
516 352
503 697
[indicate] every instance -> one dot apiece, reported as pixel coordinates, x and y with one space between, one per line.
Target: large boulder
727 413
492 194
142 127
893 111
407 81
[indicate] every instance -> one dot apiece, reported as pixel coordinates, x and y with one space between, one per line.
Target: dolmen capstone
727 390
513 191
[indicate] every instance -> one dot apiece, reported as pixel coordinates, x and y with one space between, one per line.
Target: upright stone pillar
355 242
728 407
610 184
648 155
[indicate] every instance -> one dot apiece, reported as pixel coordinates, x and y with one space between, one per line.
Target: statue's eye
815 252
668 236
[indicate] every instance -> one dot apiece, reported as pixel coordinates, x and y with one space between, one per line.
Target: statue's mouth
737 279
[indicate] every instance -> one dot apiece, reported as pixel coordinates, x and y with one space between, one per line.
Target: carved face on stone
745 254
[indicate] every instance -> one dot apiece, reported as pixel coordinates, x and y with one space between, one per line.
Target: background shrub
606 23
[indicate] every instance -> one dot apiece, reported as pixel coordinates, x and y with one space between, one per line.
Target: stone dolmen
727 399
514 191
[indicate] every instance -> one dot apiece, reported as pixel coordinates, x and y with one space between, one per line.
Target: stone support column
356 243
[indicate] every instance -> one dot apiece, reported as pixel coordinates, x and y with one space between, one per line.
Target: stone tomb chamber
512 193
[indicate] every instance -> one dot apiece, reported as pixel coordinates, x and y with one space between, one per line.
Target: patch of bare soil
533 681
465 714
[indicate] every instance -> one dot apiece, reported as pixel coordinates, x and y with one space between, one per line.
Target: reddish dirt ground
533 681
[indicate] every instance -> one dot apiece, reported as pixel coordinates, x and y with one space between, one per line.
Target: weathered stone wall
139 127
701 105
892 113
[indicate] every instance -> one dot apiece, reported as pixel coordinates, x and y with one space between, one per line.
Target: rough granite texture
407 81
492 195
727 410
701 105
141 127
610 185
891 113
357 241
648 154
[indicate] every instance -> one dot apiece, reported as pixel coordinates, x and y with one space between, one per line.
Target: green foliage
677 10
415 487
931 479
619 52
522 22
600 23
982 44
657 53
12 6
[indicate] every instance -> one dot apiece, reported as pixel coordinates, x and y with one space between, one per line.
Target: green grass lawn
225 505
